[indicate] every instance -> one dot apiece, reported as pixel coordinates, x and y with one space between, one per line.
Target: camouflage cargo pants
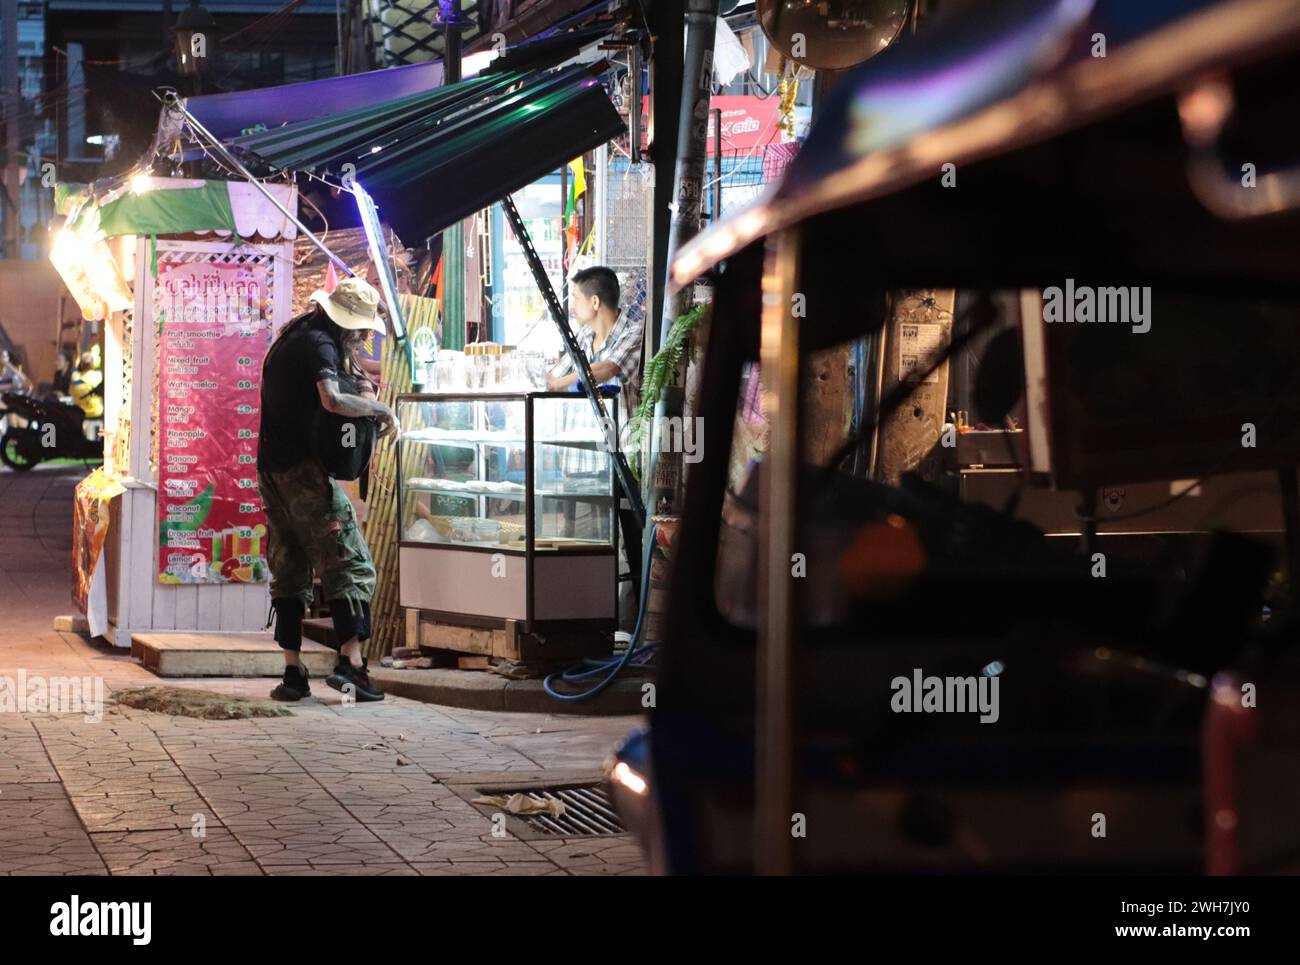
311 526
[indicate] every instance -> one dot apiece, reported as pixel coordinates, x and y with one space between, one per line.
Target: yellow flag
576 168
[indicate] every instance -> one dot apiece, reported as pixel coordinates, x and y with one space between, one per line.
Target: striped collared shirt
622 347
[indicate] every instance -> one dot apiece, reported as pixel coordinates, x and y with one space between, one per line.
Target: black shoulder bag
344 444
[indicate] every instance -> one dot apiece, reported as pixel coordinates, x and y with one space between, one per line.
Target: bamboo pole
383 528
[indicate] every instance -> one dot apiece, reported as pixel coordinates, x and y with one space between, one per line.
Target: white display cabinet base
479 582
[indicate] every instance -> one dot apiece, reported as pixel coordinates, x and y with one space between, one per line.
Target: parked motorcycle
53 431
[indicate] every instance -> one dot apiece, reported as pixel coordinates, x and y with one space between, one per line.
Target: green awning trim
169 211
162 210
68 196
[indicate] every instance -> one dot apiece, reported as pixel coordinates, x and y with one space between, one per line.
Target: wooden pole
383 528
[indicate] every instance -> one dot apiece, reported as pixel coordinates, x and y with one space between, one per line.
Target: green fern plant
660 371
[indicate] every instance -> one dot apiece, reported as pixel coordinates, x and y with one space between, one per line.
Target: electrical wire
285 174
765 140
265 29
324 236
1230 498
218 162
737 164
754 82
263 22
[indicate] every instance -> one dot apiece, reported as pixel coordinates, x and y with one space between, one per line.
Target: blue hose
608 668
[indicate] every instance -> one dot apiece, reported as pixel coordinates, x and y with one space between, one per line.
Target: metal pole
692 144
621 469
692 153
174 102
634 100
774 724
717 164
338 37
564 238
454 292
665 18
601 180
451 67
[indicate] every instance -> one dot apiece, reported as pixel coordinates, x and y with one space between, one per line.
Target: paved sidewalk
334 789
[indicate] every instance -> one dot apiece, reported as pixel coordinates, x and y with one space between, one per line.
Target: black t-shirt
290 399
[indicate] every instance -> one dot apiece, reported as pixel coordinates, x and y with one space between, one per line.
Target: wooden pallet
506 642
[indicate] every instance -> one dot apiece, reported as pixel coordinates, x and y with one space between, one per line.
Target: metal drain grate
587 811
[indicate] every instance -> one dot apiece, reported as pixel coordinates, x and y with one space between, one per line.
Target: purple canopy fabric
229 115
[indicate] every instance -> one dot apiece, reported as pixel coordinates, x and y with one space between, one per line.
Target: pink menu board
214 327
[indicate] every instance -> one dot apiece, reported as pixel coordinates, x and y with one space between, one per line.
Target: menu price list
214 332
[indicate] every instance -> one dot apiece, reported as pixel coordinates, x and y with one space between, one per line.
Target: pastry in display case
507 507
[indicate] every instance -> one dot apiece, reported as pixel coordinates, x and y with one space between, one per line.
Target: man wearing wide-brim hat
312 369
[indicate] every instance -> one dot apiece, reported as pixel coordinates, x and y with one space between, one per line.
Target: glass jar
480 379
534 370
464 374
519 366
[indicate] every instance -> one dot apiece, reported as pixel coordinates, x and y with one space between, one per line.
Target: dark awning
431 158
547 51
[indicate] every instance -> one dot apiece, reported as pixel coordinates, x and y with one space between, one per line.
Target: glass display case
507 507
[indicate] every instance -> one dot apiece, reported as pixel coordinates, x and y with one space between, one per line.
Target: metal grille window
627 231
408 31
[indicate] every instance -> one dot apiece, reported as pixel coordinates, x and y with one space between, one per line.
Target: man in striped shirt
610 340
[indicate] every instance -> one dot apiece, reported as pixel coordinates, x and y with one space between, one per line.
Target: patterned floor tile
326 844
41 835
174 852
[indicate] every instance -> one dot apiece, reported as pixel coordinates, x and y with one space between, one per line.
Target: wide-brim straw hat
354 305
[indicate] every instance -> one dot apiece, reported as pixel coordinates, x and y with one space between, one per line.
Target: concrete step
182 654
479 690
72 623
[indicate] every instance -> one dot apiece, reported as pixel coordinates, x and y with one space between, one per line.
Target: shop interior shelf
543 545
470 490
469 439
